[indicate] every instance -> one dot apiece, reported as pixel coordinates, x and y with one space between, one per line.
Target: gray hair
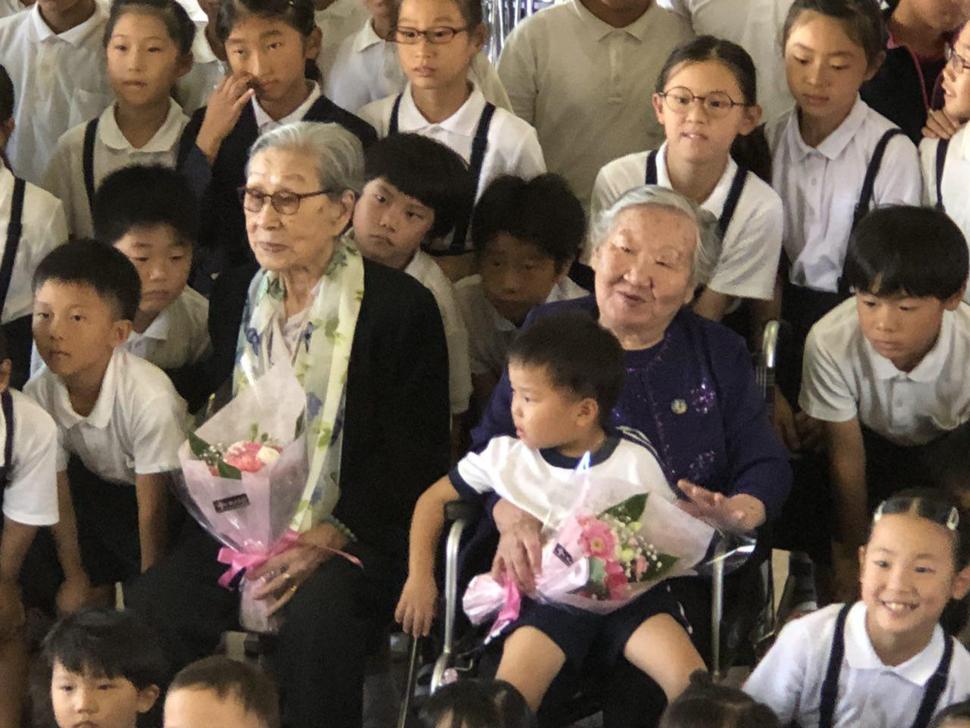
338 153
708 247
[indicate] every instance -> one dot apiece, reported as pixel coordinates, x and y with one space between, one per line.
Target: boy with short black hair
415 188
886 371
107 668
217 691
526 235
119 421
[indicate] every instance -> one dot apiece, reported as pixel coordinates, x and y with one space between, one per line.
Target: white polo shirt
956 180
112 151
179 335
423 268
366 68
265 122
31 494
748 262
756 26
489 333
844 377
135 428
11 7
44 228
871 694
820 187
586 85
340 20
59 81
192 91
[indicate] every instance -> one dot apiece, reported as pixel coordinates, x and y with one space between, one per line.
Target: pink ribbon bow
241 560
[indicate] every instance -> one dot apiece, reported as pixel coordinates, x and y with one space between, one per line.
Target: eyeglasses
439 35
940 513
285 203
958 62
717 103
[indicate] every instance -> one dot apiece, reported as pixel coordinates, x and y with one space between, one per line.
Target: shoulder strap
395 110
935 686
731 203
830 686
650 173
941 148
865 198
479 147
14 232
90 134
6 403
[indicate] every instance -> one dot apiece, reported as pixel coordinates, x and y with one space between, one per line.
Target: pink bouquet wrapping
244 474
618 541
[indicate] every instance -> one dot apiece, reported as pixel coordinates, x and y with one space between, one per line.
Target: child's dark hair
86 262
935 505
6 95
707 705
145 196
298 14
957 711
471 12
426 170
228 678
107 643
862 21
914 251
579 354
478 704
177 22
542 211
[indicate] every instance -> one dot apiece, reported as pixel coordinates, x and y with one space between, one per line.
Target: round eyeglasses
956 61
439 35
285 203
717 103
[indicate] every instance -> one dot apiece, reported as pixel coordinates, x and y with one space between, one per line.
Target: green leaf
596 583
629 510
198 446
228 471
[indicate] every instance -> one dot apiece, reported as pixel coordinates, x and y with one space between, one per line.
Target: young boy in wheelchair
566 374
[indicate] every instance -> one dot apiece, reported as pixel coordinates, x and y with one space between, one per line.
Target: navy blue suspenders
87 160
14 232
830 686
730 204
869 183
479 147
941 148
6 405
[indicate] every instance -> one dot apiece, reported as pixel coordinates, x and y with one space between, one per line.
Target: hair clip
953 520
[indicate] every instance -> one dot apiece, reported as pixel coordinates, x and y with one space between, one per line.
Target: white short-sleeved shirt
44 228
11 7
31 494
956 180
366 69
820 187
194 88
585 85
112 151
340 20
179 335
423 268
135 428
748 261
489 333
543 482
756 26
871 694
265 122
844 377
59 82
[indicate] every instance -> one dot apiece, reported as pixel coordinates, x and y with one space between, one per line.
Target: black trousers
331 624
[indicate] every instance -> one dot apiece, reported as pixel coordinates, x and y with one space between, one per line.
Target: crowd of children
826 140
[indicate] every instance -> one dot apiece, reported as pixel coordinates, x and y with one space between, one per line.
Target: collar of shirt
100 416
419 265
714 203
929 367
265 122
834 144
157 329
76 35
600 30
861 655
366 37
163 140
463 122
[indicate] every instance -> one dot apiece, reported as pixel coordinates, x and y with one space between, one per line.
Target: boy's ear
146 698
478 36
563 269
875 65
313 42
953 301
120 331
750 119
961 583
588 410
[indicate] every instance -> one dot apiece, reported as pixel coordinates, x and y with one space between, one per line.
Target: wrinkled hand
798 431
12 616
940 125
223 109
416 609
519 552
737 513
75 593
283 574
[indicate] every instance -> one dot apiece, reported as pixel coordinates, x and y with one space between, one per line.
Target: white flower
267 455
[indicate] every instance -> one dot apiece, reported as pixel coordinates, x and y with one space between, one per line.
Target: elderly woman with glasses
368 347
689 389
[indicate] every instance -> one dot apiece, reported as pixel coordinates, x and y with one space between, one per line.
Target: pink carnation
250 457
616 582
597 539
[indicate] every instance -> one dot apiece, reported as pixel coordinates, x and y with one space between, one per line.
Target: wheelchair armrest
463 510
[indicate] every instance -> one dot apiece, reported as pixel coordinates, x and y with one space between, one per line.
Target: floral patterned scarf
320 363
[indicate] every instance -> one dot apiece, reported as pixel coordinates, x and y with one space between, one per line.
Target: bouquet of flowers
244 474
